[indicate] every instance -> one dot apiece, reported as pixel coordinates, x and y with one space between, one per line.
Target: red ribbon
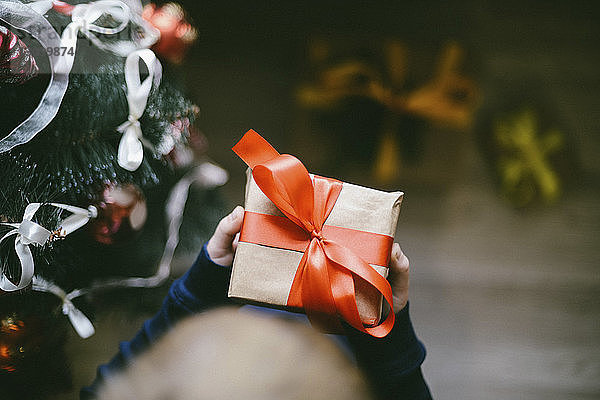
280 232
62 7
324 284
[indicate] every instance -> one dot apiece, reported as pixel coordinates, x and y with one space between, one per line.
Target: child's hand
399 277
223 242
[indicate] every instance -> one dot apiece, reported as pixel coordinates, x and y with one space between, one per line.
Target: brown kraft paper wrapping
264 275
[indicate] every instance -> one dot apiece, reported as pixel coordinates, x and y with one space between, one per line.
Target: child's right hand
223 243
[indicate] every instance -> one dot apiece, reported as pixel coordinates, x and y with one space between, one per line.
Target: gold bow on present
448 98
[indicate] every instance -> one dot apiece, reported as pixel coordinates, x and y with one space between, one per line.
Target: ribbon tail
30 210
41 7
131 151
27 268
349 263
68 42
343 290
79 217
314 292
73 222
80 322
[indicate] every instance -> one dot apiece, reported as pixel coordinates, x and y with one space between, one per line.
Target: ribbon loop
324 282
31 232
131 152
26 260
287 184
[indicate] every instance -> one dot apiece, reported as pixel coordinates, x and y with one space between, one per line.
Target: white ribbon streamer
41 6
83 19
80 322
24 18
28 232
206 175
131 152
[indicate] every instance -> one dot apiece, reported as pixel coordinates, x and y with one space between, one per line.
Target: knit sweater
391 364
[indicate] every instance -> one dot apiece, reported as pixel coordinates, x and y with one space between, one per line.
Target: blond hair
232 354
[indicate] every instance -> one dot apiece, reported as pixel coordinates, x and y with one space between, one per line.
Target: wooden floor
507 303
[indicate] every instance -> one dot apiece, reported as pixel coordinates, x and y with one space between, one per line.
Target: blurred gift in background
367 102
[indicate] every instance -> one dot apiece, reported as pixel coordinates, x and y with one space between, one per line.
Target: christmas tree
96 141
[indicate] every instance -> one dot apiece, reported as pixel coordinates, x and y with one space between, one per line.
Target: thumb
221 245
399 277
228 227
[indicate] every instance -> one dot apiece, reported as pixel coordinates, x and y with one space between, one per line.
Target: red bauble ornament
32 358
17 65
62 7
176 34
14 333
121 213
22 338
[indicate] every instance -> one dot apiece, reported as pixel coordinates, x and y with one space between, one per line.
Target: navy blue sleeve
203 286
392 364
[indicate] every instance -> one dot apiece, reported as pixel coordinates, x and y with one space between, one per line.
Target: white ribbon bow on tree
29 233
80 322
84 17
206 175
131 152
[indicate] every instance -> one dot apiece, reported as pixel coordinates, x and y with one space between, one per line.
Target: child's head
232 354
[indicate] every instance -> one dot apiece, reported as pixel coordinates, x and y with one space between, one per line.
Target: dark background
250 56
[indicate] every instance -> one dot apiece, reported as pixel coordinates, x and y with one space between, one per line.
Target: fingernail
396 251
237 212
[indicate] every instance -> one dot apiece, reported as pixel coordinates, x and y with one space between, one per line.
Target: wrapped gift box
271 246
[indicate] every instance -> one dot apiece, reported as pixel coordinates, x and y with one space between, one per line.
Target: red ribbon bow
325 279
